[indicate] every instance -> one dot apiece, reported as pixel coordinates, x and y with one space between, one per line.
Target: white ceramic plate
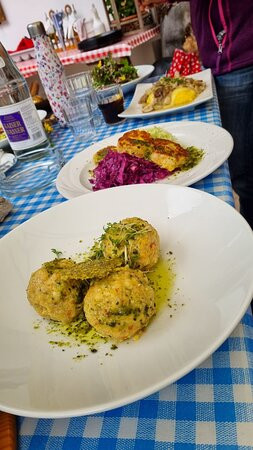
42 113
213 249
7 160
73 179
143 72
134 110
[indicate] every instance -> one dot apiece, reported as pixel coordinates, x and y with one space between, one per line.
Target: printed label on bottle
14 127
22 125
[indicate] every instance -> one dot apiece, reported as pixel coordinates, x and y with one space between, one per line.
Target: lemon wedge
150 99
182 95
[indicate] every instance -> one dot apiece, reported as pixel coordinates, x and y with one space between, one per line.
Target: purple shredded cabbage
118 169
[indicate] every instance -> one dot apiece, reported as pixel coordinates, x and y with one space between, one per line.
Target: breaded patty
163 152
136 142
168 154
121 304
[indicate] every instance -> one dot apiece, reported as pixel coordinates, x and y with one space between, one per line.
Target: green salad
108 71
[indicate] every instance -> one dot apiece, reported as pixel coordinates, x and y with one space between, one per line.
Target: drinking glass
26 177
111 103
80 85
79 117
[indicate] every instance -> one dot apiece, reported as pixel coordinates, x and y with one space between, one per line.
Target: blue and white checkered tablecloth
210 408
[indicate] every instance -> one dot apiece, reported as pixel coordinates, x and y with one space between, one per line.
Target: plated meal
206 237
173 153
142 156
170 95
109 71
110 290
171 92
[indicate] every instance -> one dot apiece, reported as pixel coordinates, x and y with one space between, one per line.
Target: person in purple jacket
224 33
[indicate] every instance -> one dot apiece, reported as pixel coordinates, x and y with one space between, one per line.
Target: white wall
19 13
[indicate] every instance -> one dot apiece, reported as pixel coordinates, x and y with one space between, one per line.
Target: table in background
123 48
209 408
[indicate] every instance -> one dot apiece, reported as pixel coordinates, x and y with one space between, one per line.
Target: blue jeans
235 94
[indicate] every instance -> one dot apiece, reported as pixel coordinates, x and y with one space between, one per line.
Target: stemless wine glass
111 103
79 118
80 85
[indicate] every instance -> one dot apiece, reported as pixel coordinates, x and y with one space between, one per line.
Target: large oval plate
213 249
217 143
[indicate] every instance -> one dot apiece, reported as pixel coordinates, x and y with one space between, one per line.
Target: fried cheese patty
133 239
136 142
121 304
168 154
55 298
163 152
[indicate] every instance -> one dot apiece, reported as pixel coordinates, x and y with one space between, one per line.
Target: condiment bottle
98 26
50 70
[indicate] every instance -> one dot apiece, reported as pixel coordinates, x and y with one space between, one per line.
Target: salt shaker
50 70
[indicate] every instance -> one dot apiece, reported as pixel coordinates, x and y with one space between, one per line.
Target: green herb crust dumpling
133 239
121 304
52 296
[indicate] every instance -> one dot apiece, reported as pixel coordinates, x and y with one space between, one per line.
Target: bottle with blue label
18 114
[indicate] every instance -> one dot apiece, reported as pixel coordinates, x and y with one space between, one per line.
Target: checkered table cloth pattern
123 48
210 408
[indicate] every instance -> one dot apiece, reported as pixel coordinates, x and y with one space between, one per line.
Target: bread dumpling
121 304
133 239
52 296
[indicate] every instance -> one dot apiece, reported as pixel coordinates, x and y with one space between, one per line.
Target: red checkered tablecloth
123 48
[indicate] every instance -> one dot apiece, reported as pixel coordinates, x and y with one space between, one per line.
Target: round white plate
42 113
213 249
143 72
134 110
217 143
7 160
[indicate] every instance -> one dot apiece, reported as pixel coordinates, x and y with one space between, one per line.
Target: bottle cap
36 29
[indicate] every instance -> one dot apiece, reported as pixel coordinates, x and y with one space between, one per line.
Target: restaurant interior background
20 13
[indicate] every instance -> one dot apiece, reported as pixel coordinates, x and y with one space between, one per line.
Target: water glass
111 103
80 85
79 118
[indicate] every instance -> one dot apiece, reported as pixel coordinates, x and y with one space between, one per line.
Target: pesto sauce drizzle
162 279
80 332
195 156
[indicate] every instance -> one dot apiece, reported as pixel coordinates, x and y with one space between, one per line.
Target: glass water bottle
18 114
